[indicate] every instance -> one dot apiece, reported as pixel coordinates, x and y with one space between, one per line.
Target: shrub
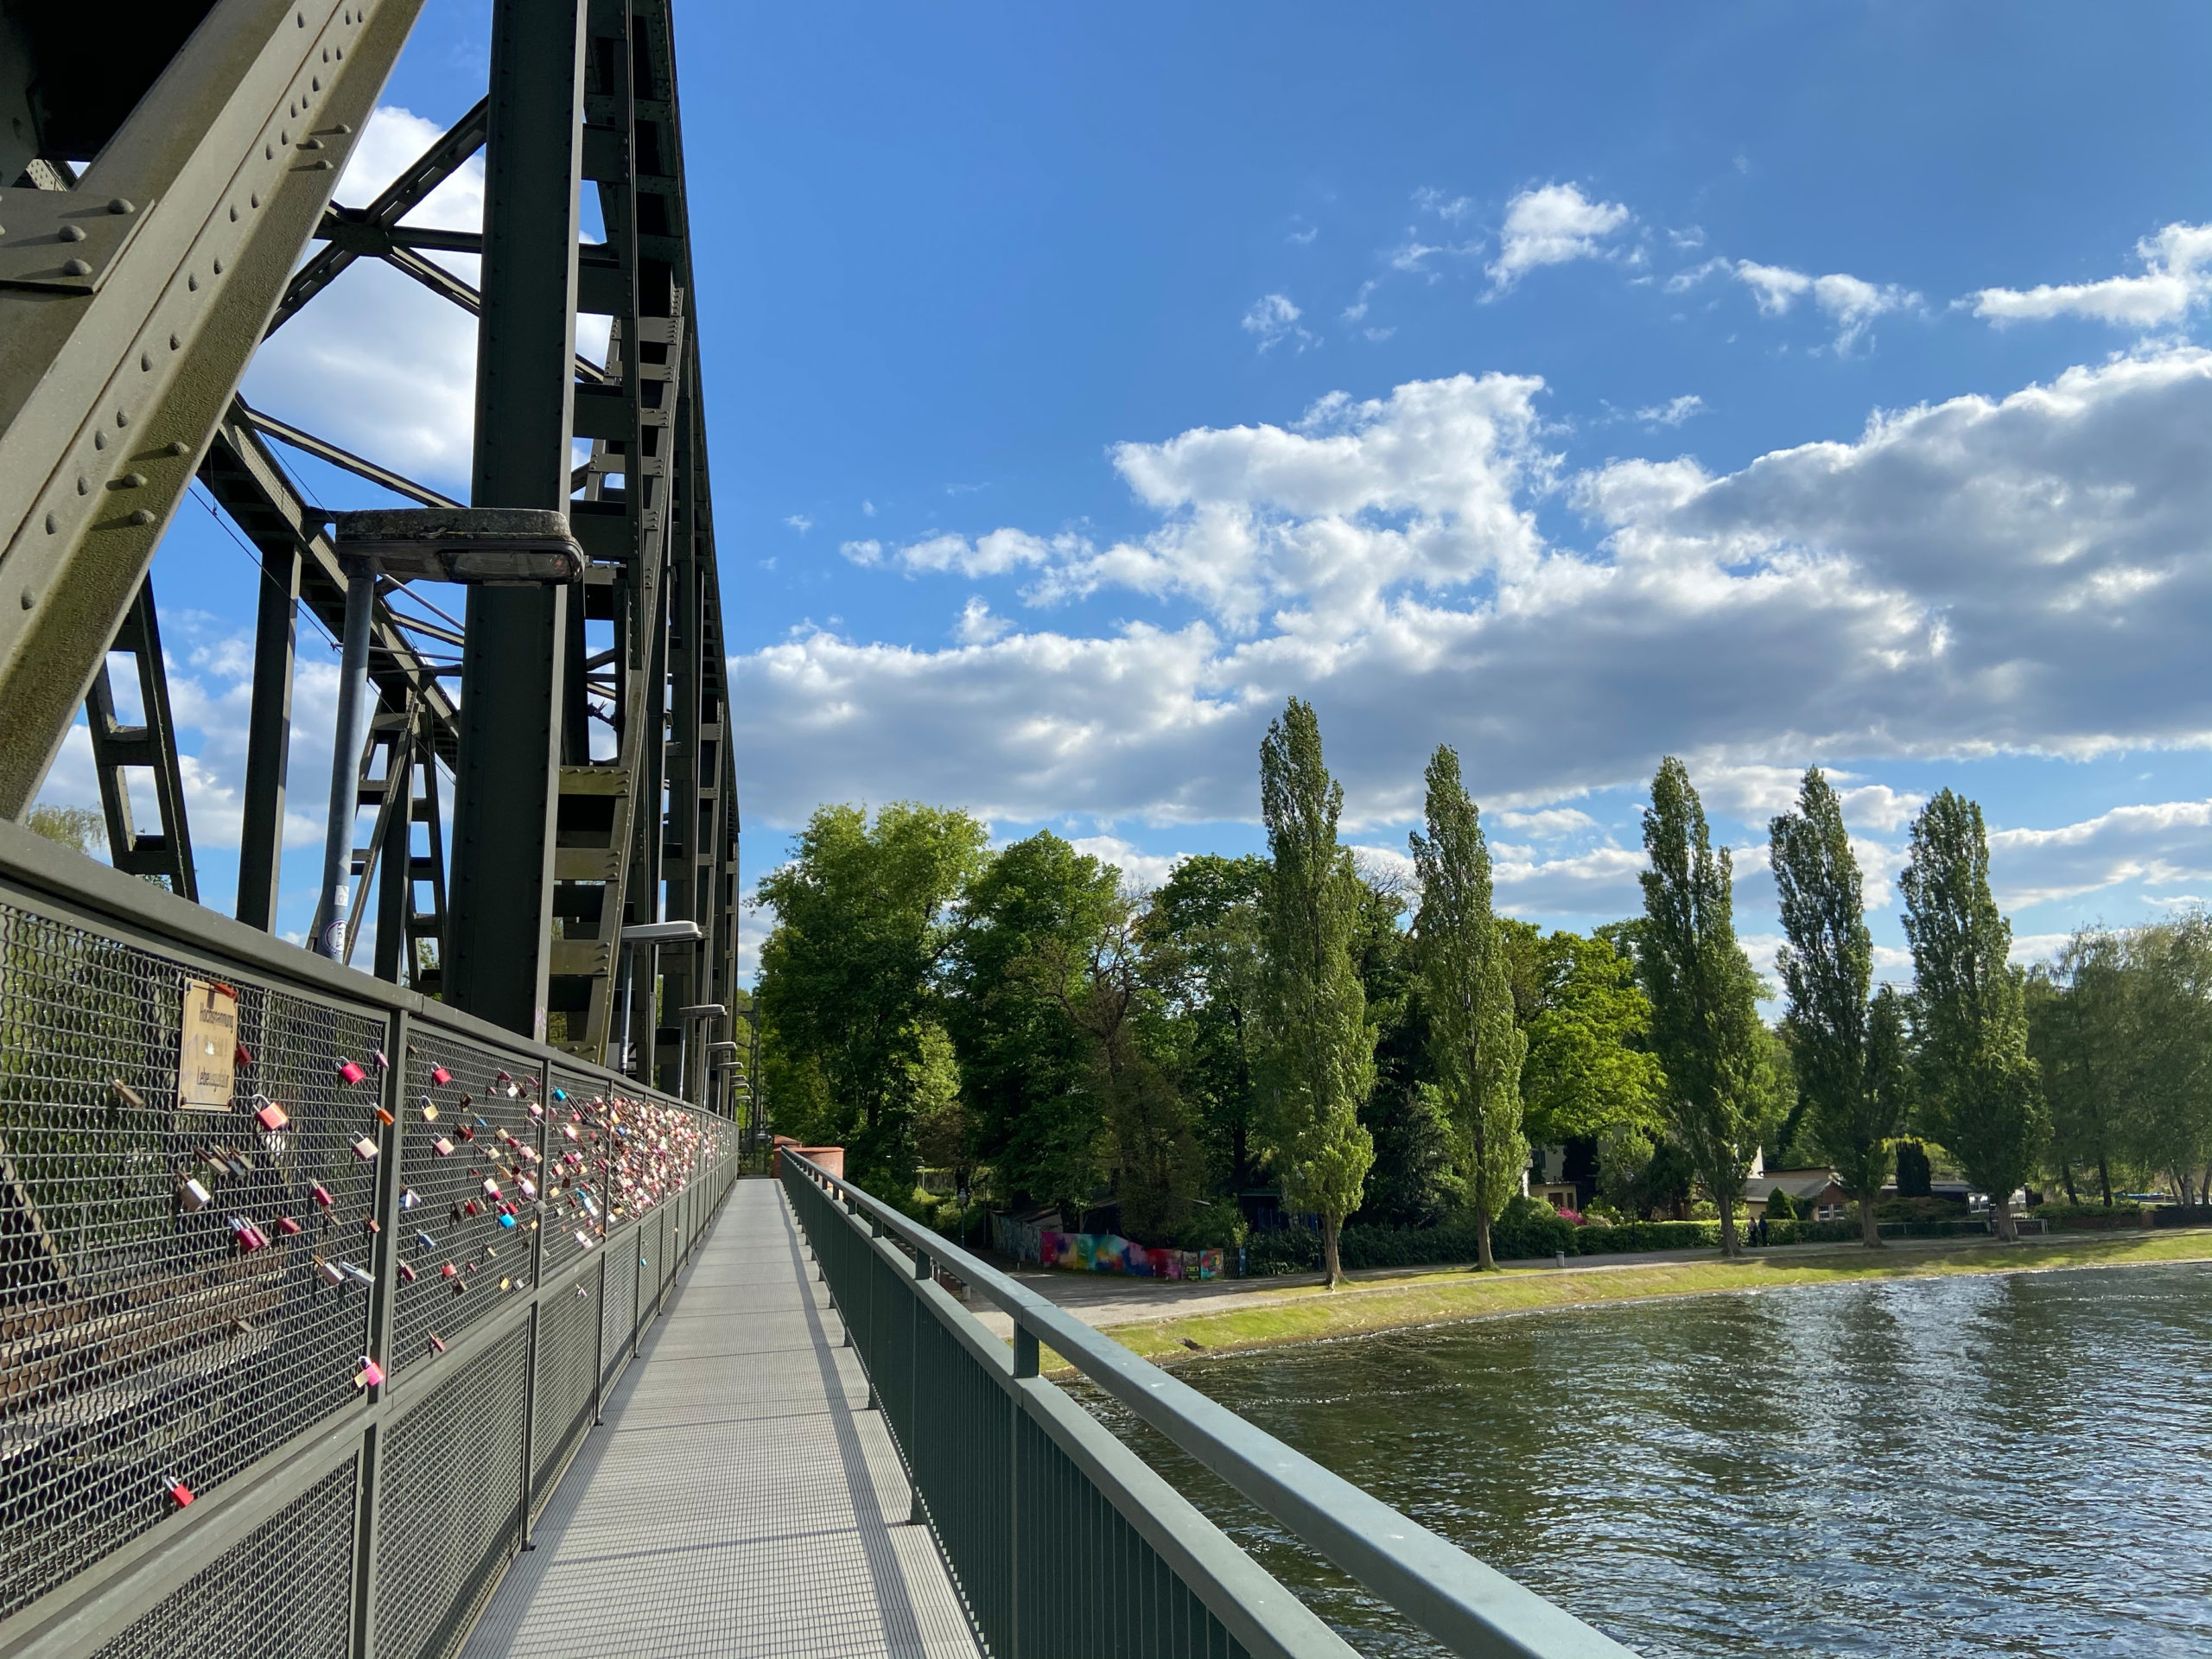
1287 1250
1812 1232
1649 1236
1780 1207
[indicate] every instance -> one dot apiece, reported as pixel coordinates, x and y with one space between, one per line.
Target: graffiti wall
1111 1253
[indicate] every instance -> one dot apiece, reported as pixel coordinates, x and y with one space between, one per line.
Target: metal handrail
1473 1609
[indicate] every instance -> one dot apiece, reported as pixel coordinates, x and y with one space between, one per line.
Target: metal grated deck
739 1499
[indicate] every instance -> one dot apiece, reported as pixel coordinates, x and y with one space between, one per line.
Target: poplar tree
1474 1044
1705 1022
1317 1049
1827 970
1980 1089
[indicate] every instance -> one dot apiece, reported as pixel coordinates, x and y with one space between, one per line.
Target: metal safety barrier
310 1287
1061 1540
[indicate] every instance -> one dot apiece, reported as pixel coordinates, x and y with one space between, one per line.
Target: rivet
121 205
340 50
175 344
176 447
132 481
326 54
28 601
315 82
219 266
318 167
82 487
283 135
192 283
121 419
142 517
53 524
234 213
145 361
72 232
99 440
301 18
269 152
255 199
75 268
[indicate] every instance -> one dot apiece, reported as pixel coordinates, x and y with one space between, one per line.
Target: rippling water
1967 1466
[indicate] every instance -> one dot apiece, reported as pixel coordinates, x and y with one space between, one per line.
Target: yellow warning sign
209 1049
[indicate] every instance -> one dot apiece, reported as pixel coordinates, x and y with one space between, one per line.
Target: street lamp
652 935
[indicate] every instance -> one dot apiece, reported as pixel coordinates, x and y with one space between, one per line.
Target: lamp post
652 935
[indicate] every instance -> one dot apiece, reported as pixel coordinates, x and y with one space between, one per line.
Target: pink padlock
272 1117
351 1073
442 1146
365 1149
371 1374
250 1237
321 1194
440 1076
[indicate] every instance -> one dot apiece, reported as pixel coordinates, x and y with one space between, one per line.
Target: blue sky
1575 385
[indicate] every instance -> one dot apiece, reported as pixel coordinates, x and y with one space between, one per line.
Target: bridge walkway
740 1499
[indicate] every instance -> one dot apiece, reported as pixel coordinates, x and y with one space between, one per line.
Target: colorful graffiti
1111 1253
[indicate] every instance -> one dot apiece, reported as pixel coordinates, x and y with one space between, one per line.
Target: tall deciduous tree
1317 1049
1980 1087
1589 1071
1475 1048
846 973
1017 961
2169 1032
2078 1016
1828 971
1202 940
1704 1023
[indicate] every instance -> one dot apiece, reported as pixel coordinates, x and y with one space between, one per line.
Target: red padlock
440 1076
241 1056
272 1117
286 1225
351 1073
321 1194
250 1237
406 1274
179 1494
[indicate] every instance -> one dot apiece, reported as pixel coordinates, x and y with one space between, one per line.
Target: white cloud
1358 309
867 509
863 553
800 522
1600 883
1451 209
2176 280
1549 823
1550 226
1273 319
1682 281
1140 871
1849 301
1978 576
2116 853
1674 412
977 626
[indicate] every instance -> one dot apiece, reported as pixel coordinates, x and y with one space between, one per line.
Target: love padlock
321 1194
409 1197
179 1494
241 1056
351 1073
442 1146
384 1115
406 1274
429 1110
370 1375
272 1117
438 1344
287 1226
440 1076
190 1195
365 1149
330 1272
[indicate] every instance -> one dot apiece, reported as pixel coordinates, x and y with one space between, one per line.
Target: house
1815 1193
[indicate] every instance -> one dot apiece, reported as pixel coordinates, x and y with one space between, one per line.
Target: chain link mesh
180 1289
472 1165
286 1592
568 1346
450 1501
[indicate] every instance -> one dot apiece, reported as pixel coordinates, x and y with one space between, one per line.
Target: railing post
1025 1365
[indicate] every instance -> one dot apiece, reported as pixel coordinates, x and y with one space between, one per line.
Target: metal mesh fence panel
471 1168
575 1202
182 1287
568 1344
285 1592
964 1450
450 1502
617 1306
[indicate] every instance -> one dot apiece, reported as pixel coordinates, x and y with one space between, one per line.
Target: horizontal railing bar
1473 1608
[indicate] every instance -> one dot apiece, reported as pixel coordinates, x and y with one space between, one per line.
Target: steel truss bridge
302 1346
166 205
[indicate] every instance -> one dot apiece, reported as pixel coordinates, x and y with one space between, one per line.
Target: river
2017 1464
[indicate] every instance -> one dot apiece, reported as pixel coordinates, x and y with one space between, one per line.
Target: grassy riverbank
1267 1318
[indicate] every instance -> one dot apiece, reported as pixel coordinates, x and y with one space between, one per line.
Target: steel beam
269 732
117 360
148 746
499 941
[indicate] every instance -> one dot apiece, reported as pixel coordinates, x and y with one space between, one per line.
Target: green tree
845 975
1980 1087
1317 1049
1015 965
2078 1012
1413 1182
1474 1045
1589 1068
82 828
1704 1023
2169 1034
1828 971
1202 946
